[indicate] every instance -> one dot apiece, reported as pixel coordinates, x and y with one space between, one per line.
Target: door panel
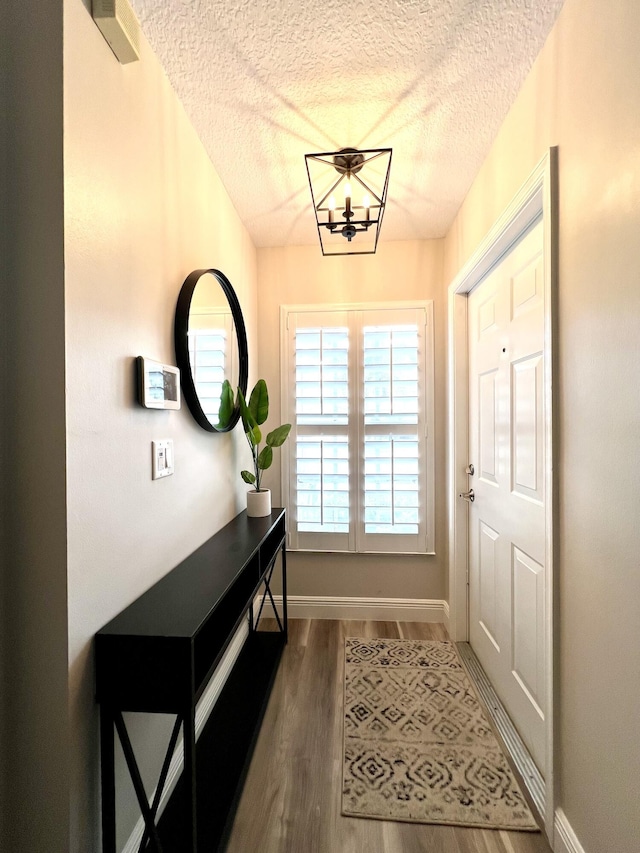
487 578
527 287
487 316
527 428
528 604
507 521
487 425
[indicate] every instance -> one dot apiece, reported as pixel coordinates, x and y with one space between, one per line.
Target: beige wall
143 207
98 257
584 96
398 271
33 484
4 388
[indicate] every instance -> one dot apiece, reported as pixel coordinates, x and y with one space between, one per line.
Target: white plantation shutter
207 355
358 390
211 356
322 484
394 493
320 443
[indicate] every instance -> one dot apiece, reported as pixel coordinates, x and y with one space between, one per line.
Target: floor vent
531 776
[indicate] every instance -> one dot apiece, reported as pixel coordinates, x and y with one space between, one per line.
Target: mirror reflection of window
211 348
212 358
212 344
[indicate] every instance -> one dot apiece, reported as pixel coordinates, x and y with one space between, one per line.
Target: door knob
470 469
468 496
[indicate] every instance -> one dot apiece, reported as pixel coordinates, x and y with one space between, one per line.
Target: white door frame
537 197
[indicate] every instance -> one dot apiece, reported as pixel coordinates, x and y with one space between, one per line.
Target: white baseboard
446 614
204 708
379 609
564 838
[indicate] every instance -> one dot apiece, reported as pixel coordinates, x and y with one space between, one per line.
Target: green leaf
226 404
252 432
247 417
266 458
279 435
248 477
259 402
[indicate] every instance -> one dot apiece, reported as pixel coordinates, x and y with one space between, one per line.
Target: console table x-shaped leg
111 718
266 580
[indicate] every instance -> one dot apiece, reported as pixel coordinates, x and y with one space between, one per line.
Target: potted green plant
254 414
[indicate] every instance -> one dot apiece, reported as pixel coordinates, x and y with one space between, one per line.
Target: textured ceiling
265 82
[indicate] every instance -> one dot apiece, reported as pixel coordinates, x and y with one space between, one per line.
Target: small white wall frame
537 197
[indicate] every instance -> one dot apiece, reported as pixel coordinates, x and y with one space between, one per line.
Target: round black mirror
211 349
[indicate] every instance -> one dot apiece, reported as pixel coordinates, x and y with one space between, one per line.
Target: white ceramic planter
258 503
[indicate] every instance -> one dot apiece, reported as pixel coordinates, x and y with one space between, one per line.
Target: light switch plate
161 458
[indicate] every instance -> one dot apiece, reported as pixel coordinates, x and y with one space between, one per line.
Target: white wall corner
564 838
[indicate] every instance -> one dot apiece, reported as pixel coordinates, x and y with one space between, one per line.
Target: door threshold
529 774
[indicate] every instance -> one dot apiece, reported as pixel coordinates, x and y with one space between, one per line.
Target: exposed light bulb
332 207
347 189
366 203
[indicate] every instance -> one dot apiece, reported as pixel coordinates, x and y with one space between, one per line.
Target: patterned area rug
417 746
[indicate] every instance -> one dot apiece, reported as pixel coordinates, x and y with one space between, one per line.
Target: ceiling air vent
119 26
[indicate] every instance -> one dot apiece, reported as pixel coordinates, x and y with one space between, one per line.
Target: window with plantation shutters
358 391
210 355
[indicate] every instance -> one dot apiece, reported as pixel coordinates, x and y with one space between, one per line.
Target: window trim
287 404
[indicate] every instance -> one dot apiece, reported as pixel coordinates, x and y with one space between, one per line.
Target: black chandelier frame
348 163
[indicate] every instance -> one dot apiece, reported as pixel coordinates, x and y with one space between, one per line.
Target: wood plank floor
291 798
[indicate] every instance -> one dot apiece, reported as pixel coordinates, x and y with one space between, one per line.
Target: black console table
158 656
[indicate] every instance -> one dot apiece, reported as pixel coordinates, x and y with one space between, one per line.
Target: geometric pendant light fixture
349 194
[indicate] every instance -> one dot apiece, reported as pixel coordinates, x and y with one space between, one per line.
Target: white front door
507 572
